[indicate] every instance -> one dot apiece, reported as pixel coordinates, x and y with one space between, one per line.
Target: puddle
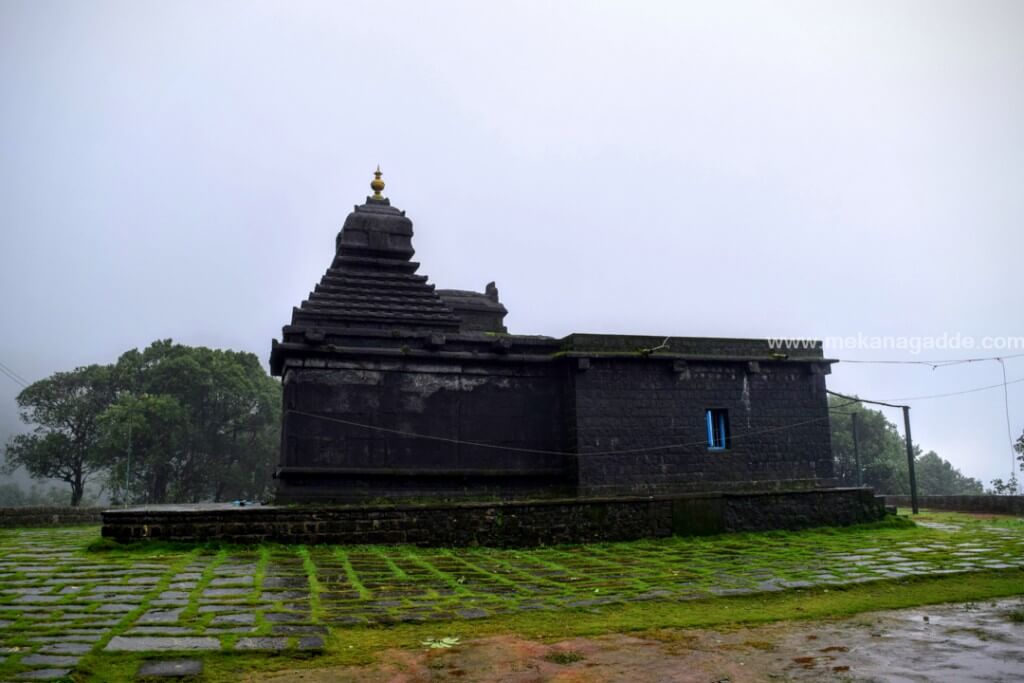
961 643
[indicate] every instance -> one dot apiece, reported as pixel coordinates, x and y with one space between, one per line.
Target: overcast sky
812 169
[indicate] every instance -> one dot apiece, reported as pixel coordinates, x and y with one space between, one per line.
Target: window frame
717 417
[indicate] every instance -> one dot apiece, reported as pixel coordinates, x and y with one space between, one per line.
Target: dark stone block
511 523
311 643
171 668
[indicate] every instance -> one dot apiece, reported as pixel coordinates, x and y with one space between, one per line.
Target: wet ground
956 643
60 603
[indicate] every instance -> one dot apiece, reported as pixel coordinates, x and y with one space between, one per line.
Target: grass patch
316 611
532 592
747 609
351 576
663 621
103 544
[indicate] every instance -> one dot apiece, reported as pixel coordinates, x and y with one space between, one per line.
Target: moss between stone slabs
615 587
361 645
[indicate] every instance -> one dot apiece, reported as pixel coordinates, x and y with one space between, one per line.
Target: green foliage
1007 488
102 544
883 456
668 561
882 452
66 441
208 423
171 423
937 477
154 427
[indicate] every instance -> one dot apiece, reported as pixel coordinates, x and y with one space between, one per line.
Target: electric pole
910 459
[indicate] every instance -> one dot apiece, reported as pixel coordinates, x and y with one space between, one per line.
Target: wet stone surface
171 668
161 644
265 643
42 674
59 603
958 643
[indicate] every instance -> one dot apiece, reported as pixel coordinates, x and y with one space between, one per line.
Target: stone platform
60 602
500 524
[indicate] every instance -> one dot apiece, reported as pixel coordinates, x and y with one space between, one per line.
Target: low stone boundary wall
48 516
502 524
1001 505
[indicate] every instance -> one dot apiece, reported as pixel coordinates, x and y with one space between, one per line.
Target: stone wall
48 516
1004 505
623 404
586 415
500 524
327 456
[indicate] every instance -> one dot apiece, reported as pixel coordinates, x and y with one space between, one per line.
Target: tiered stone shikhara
395 389
373 281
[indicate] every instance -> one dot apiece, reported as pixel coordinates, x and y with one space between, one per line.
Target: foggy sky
808 169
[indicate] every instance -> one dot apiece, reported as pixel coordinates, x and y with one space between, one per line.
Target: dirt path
961 643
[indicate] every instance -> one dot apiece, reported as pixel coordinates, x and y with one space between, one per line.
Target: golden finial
377 185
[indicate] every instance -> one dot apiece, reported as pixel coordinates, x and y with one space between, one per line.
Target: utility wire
8 369
479 444
13 376
933 363
1009 429
957 393
854 399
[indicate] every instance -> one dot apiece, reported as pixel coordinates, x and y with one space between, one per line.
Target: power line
480 444
7 370
10 371
933 363
854 399
957 393
1009 429
13 376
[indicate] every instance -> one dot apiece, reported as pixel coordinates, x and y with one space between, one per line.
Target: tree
1010 486
882 453
938 477
883 456
142 436
208 423
1001 488
65 443
202 424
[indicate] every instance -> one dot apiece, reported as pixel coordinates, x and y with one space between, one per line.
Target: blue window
717 420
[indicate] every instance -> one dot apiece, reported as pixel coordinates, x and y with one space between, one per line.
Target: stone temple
396 390
412 415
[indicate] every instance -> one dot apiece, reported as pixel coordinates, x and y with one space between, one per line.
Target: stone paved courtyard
60 601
